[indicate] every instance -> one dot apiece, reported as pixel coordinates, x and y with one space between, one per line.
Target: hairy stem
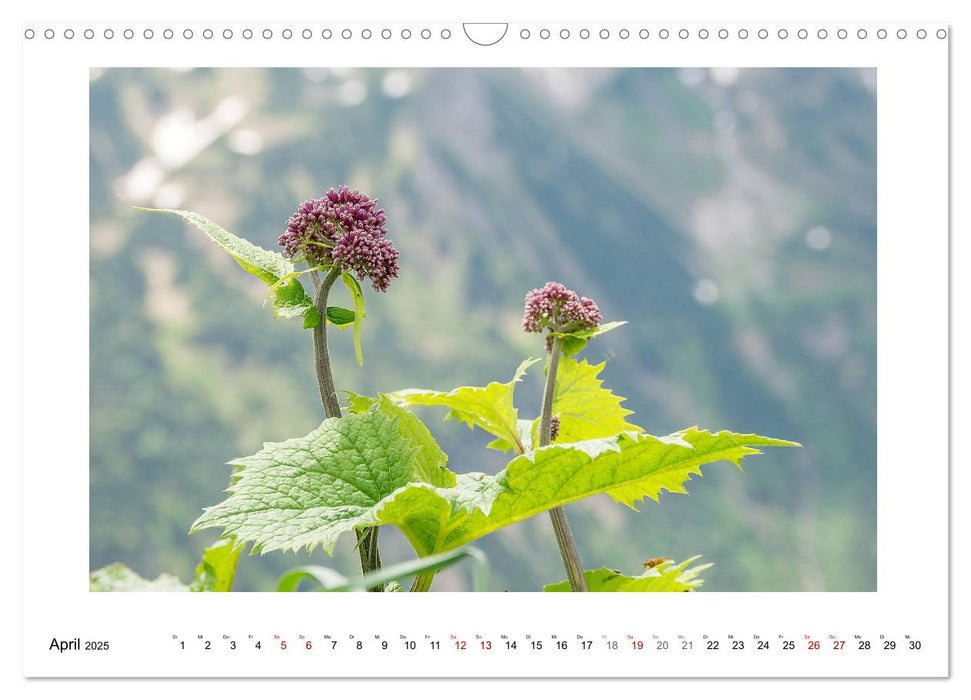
564 537
325 378
422 582
367 546
546 415
568 549
367 537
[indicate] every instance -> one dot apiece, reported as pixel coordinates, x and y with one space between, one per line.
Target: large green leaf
305 492
490 407
628 467
673 459
665 576
216 571
382 467
118 578
290 300
585 409
430 461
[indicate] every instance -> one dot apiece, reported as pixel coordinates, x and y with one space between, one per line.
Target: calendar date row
479 643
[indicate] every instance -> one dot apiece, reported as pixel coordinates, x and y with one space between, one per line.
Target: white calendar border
900 113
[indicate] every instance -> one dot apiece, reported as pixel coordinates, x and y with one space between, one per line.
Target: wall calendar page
363 347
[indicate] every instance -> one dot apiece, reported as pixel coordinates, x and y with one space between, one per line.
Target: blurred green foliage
729 216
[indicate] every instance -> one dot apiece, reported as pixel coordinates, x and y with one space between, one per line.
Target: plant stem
422 582
367 542
546 415
325 378
568 549
564 537
367 545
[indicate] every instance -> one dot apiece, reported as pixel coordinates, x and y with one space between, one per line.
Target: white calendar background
906 626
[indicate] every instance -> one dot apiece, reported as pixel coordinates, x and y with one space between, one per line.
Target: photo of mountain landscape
729 215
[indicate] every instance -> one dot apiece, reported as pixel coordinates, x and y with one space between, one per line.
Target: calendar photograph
483 330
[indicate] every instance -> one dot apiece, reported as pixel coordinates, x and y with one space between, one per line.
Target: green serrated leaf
575 341
673 466
560 474
430 461
118 578
585 409
490 407
631 466
358 296
357 403
216 571
665 576
305 492
264 264
380 467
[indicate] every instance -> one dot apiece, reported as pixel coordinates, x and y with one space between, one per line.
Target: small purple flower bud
344 227
554 428
368 256
558 308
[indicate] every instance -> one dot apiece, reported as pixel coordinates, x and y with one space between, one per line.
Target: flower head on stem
555 307
344 228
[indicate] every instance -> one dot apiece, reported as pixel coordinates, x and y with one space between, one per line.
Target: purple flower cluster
554 428
346 228
558 308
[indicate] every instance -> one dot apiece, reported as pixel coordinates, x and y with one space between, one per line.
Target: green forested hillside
730 216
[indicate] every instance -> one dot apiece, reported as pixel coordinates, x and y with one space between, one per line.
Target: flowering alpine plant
560 310
340 235
344 228
373 463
